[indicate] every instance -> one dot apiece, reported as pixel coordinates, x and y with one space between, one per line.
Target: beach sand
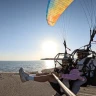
10 85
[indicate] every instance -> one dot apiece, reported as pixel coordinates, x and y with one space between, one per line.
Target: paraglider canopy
55 8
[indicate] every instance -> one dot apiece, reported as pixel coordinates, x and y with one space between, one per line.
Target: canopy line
89 11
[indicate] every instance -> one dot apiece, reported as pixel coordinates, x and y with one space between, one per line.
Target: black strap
85 65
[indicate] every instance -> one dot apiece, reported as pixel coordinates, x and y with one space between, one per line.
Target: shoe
23 76
57 94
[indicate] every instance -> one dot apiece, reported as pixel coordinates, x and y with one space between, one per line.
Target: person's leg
66 83
57 88
39 74
77 84
43 78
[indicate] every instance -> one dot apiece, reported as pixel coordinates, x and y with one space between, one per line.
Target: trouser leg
56 87
76 85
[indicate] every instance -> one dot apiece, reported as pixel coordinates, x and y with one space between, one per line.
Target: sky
26 35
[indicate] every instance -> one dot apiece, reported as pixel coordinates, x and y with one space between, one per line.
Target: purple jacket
73 75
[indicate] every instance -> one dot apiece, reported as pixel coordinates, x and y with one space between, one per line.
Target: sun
49 48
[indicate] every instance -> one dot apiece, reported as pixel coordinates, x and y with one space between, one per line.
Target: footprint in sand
1 77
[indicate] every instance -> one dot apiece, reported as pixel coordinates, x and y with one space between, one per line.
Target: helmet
66 59
84 52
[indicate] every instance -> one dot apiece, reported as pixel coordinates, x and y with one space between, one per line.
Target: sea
29 66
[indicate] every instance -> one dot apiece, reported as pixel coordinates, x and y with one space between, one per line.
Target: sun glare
49 64
49 48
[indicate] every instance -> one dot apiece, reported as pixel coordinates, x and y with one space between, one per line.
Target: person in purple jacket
73 74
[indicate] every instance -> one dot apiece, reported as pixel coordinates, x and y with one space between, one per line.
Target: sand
10 85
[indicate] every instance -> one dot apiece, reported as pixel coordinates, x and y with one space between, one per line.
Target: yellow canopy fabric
55 8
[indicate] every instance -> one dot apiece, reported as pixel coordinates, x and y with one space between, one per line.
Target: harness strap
85 65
